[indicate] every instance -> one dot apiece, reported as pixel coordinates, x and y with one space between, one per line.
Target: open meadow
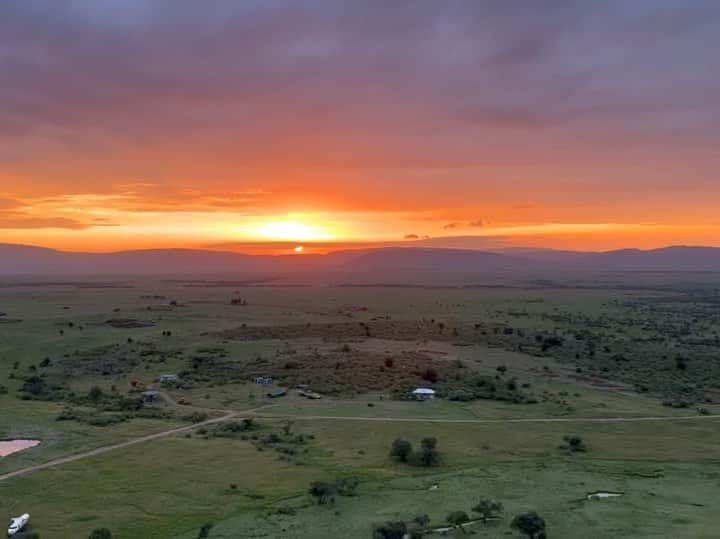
143 397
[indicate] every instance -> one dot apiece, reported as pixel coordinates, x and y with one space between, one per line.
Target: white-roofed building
423 393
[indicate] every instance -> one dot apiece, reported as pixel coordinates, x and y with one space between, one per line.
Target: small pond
8 447
603 495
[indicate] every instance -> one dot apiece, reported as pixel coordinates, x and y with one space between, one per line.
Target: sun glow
293 230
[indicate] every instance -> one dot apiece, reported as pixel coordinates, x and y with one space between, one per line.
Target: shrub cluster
426 455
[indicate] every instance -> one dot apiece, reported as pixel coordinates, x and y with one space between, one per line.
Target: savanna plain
184 408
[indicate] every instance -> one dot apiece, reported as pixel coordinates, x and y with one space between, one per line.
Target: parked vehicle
18 524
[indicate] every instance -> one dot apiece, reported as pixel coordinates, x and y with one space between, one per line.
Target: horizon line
349 246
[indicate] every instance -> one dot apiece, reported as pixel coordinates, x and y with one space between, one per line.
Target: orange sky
137 217
258 127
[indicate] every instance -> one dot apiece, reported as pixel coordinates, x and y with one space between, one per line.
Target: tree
531 524
205 530
428 455
390 530
401 450
323 492
488 508
457 518
429 442
100 533
422 520
574 444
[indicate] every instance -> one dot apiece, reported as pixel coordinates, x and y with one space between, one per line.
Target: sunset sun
293 230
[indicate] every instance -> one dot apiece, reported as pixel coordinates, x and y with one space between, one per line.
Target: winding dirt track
489 421
253 412
107 448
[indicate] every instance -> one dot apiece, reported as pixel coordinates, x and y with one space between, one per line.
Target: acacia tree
323 492
390 530
531 524
574 444
488 508
401 450
456 519
428 455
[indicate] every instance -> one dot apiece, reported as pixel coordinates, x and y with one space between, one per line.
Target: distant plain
628 346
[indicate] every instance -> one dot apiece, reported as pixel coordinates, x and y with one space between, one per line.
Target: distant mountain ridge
28 260
674 258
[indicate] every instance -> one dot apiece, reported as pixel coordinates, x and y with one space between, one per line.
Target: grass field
167 488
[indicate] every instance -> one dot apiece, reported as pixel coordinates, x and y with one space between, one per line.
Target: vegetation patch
129 323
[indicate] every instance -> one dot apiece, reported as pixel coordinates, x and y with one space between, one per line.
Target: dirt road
490 421
108 448
253 412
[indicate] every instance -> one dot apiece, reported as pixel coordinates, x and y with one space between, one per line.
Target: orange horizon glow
133 220
141 216
108 226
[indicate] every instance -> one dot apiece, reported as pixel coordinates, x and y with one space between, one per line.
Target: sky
265 125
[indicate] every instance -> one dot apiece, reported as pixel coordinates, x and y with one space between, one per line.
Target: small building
264 380
168 379
150 396
423 394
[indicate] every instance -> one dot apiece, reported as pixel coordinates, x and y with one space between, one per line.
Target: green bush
390 530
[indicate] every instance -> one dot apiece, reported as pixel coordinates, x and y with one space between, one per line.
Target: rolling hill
27 260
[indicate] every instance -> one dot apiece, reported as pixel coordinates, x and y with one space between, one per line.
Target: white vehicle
17 524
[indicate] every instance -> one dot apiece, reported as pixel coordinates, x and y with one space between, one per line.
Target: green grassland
340 339
170 487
